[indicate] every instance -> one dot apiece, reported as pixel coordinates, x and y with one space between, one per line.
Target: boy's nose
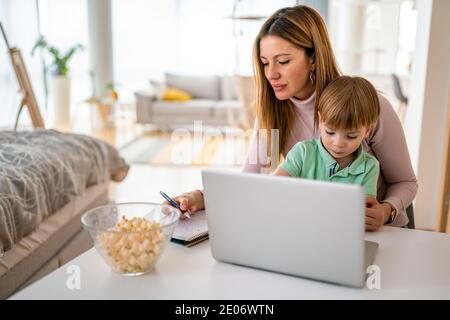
339 143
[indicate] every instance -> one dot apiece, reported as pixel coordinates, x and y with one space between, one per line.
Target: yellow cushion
173 94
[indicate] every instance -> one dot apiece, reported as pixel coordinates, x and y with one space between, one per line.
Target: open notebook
189 232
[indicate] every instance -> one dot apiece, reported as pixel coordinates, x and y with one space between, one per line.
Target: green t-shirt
310 160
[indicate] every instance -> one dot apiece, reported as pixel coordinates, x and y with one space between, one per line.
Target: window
151 37
63 30
373 37
19 20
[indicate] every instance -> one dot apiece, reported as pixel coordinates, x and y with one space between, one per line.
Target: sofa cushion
228 104
200 87
173 94
157 88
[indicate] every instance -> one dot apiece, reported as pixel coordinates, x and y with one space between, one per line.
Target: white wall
428 103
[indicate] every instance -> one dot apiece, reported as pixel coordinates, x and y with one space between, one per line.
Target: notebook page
188 229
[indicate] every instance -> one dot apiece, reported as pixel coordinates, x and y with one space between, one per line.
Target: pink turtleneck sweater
397 183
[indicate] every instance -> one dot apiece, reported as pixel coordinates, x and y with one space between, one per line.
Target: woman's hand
376 214
190 201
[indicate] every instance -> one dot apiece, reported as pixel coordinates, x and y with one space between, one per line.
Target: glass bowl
131 236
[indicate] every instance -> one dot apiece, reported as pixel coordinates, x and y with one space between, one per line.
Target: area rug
188 149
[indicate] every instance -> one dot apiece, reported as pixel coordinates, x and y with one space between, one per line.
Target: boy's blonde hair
349 103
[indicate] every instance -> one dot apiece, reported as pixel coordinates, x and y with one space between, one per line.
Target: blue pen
174 204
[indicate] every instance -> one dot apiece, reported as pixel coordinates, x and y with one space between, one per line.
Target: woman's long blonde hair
303 27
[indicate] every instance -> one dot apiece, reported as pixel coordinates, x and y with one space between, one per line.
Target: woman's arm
388 144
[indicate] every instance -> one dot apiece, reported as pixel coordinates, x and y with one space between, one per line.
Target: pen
175 204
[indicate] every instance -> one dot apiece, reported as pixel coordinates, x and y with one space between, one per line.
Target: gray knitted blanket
43 170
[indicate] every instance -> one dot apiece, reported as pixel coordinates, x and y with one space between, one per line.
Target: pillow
174 94
200 87
158 88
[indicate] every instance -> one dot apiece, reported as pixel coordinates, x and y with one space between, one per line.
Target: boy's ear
368 131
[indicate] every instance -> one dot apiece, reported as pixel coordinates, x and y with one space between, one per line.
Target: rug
188 149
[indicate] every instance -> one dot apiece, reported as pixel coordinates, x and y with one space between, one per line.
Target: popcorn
132 245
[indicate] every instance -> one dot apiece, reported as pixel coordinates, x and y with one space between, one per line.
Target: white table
414 264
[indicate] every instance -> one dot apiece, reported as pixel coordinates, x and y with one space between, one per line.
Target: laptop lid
301 227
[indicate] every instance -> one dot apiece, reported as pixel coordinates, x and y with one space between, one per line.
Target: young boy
348 108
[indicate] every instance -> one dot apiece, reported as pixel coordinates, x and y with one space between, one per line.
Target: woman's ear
312 62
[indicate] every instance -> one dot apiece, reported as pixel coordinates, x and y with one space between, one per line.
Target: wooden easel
444 197
29 99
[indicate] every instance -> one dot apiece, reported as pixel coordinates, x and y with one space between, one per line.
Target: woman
294 61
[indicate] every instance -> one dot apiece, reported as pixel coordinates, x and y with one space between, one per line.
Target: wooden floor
117 129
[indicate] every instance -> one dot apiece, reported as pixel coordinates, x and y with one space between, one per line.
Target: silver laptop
300 227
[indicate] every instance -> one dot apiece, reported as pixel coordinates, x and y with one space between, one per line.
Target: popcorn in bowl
133 245
131 236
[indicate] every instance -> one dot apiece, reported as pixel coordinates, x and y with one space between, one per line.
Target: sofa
214 102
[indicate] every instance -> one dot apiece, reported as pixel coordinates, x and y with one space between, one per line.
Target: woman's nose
272 72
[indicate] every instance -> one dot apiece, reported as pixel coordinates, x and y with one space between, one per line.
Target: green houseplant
60 60
59 80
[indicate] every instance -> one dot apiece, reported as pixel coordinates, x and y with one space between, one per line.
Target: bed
48 180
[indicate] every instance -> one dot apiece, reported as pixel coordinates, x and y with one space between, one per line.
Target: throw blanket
43 170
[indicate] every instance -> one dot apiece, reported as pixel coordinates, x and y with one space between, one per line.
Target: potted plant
59 81
112 90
